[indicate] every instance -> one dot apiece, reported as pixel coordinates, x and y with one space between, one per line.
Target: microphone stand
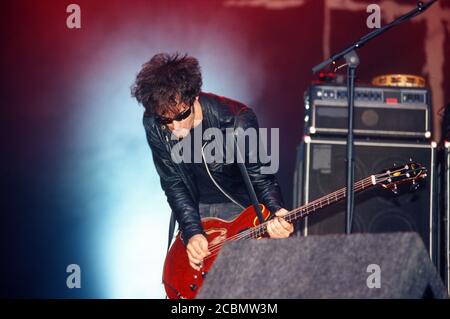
352 61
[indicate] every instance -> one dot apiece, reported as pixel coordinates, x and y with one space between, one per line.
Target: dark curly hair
167 80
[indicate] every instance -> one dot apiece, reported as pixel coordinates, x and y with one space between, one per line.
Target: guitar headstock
409 173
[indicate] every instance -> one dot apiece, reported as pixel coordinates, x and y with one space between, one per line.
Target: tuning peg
395 190
414 185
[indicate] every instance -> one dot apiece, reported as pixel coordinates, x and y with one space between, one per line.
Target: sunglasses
179 117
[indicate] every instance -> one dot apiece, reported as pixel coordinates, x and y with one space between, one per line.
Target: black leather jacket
177 180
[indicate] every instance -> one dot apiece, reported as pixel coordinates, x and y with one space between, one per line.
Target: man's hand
197 250
277 227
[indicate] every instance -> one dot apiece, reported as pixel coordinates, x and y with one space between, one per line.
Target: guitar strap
171 229
244 173
247 181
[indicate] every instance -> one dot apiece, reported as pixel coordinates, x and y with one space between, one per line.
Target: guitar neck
307 209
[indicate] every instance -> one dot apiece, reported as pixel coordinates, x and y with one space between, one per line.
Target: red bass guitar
182 281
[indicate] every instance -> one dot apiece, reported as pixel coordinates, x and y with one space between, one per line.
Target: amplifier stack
379 112
391 126
445 196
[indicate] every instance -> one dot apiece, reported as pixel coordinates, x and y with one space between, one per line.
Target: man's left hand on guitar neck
277 227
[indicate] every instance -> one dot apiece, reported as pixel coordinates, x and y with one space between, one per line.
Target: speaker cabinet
321 169
446 213
330 266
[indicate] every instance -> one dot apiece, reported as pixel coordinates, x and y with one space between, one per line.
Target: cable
215 183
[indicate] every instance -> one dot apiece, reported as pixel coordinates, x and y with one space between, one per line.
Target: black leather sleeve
178 196
266 186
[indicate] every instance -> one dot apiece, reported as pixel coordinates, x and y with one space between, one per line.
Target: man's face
181 121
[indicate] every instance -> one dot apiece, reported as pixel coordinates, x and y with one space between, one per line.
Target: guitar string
340 191
253 234
261 229
312 206
218 246
303 210
255 231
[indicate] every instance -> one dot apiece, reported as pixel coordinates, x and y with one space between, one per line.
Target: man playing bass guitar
176 110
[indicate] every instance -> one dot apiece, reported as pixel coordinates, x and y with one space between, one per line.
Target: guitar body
182 281
179 278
